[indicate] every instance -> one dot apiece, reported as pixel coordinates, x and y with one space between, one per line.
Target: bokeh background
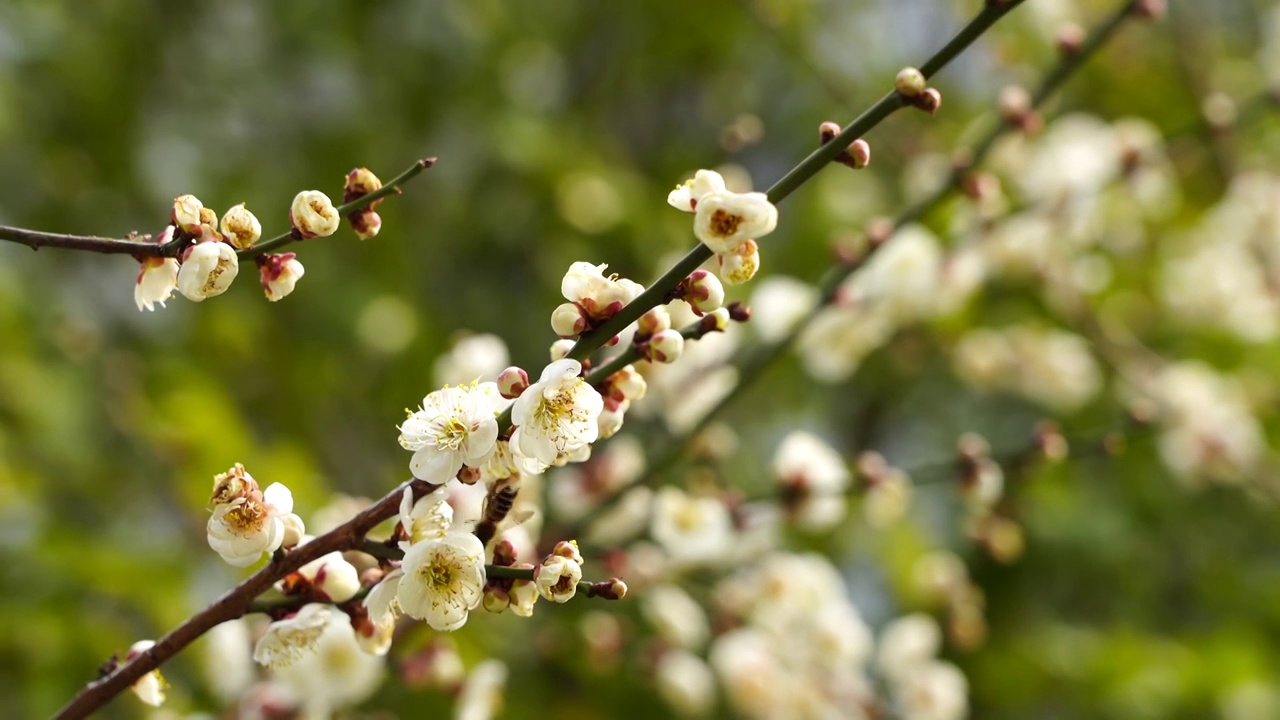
559 128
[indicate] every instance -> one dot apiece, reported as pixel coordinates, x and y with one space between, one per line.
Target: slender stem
656 293
391 187
508 573
141 248
235 603
752 365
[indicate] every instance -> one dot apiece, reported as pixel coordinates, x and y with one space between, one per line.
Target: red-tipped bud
361 182
929 100
703 291
512 382
666 346
653 322
568 321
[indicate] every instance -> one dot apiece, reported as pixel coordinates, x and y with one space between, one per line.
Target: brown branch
36 239
235 602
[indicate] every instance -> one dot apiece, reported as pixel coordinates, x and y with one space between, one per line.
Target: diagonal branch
236 602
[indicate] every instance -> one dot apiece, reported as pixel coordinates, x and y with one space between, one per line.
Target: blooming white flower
150 687
556 415
286 641
481 696
251 524
686 195
313 215
428 517
907 644
599 297
207 270
227 660
685 682
240 227
336 673
279 274
934 691
456 426
816 476
777 303
332 576
443 580
157 279
383 609
557 578
691 529
678 618
724 220
473 356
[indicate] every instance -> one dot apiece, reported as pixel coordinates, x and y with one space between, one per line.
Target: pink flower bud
827 131
567 320
568 549
512 382
859 154
666 346
366 223
496 599
929 100
910 82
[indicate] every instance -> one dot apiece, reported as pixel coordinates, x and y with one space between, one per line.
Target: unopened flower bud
1014 102
240 227
207 270
929 100
557 578
512 382
524 593
654 321
150 687
611 589
313 215
610 419
279 274
469 475
567 320
294 530
366 223
1070 38
1150 9
496 599
560 349
717 321
740 265
859 154
208 217
666 346
703 291
504 553
827 131
361 182
910 82
568 549
739 312
332 577
186 213
628 383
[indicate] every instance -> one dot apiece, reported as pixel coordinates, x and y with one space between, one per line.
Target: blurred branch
236 602
753 364
140 248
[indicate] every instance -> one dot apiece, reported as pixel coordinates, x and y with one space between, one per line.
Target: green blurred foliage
559 128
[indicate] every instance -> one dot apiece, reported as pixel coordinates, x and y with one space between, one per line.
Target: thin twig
140 248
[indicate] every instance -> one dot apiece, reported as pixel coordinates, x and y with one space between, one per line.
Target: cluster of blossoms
727 222
1051 367
209 259
248 521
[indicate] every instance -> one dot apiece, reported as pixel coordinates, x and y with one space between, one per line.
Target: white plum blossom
240 227
157 280
470 357
335 673
597 296
456 426
288 640
686 195
186 213
557 578
906 644
556 415
693 530
685 683
678 618
207 270
778 303
935 690
279 274
150 687
481 695
739 265
248 522
443 580
428 517
313 214
815 475
724 220
383 609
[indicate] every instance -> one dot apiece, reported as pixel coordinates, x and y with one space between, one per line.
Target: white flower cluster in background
1050 367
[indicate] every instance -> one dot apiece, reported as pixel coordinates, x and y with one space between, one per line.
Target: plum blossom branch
236 602
656 293
753 364
140 246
